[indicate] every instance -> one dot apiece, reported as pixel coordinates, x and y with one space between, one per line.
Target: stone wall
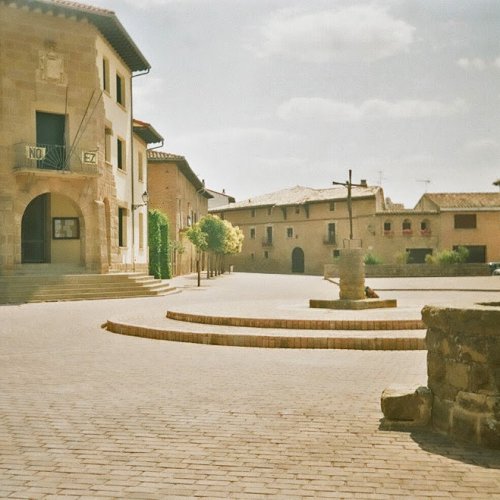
414 270
463 367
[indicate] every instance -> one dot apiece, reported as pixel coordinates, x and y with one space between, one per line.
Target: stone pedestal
405 406
352 274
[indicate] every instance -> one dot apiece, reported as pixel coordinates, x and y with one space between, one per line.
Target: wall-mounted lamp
145 199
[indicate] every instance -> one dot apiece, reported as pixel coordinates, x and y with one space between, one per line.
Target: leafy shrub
158 241
447 257
372 260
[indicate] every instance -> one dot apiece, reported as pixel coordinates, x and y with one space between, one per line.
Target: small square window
252 212
289 232
266 254
252 233
297 210
332 206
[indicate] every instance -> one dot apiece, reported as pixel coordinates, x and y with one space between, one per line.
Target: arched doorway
297 260
52 231
35 231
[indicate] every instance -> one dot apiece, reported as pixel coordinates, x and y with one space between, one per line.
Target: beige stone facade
175 190
66 147
302 229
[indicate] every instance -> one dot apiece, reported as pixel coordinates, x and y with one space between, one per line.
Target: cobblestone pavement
90 414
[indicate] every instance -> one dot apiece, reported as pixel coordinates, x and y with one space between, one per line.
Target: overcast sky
261 95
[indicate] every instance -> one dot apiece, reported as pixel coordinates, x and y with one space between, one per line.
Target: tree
216 237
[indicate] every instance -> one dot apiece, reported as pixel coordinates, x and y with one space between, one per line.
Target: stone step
37 288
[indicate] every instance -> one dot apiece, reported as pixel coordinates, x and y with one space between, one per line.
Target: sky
262 95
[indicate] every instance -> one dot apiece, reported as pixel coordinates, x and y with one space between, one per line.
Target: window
266 255
331 233
387 227
141 230
105 74
120 154
107 144
120 90
406 225
289 232
269 234
252 212
332 206
122 227
252 233
336 254
269 210
297 210
252 256
140 166
465 221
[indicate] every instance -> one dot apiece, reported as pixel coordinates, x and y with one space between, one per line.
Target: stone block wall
463 365
414 270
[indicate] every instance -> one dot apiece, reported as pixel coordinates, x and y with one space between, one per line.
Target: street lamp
145 199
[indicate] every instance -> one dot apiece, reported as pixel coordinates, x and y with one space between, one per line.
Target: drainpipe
132 179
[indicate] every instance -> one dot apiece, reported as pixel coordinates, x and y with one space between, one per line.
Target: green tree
217 238
158 242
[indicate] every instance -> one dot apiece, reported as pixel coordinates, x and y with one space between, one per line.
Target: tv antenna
426 182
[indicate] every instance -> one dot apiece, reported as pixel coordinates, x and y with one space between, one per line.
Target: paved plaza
86 413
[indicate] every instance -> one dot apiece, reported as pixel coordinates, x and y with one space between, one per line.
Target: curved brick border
300 324
268 341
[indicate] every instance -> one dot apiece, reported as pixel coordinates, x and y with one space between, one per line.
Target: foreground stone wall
463 366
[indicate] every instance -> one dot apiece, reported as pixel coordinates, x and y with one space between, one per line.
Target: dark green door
297 260
34 229
50 132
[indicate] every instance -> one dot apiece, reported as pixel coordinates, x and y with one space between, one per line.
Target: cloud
475 63
299 108
482 147
350 33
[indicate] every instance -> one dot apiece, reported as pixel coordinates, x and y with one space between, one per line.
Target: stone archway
298 260
52 231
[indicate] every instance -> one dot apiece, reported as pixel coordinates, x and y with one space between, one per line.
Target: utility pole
348 184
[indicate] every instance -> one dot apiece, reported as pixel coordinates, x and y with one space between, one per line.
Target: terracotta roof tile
299 195
464 200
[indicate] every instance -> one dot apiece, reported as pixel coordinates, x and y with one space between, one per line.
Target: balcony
50 159
267 242
330 240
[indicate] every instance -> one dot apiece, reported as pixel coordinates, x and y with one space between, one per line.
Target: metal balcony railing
330 240
267 242
53 157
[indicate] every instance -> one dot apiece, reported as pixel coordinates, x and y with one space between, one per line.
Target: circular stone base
353 304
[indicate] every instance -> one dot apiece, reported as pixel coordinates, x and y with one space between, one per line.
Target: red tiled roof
464 200
299 195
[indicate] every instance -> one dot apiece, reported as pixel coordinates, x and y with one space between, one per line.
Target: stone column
352 274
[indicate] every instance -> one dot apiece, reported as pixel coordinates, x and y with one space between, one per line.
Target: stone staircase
24 287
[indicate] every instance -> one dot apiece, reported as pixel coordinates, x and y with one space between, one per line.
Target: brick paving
85 413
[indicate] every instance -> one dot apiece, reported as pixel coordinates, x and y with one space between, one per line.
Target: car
494 266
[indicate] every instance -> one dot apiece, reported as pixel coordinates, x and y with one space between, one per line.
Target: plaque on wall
65 228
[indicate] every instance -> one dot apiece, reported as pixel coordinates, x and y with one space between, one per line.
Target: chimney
364 183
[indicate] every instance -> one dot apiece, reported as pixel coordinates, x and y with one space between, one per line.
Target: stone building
70 194
302 229
299 229
219 199
175 190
